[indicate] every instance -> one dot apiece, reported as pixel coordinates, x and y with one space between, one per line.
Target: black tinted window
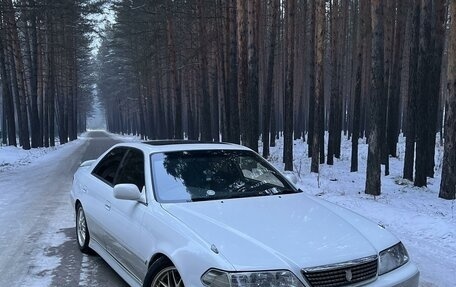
107 167
132 169
214 174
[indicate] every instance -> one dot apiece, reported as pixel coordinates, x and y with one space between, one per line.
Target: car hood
277 232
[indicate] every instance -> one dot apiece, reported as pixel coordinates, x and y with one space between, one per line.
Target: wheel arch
77 204
158 256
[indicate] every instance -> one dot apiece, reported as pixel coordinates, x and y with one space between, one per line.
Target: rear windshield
187 176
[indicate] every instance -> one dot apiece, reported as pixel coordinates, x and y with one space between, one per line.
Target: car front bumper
404 276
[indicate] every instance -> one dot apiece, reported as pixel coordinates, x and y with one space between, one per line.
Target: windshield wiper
245 194
202 199
288 191
260 187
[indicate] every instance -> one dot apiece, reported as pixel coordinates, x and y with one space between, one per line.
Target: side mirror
127 191
291 177
87 162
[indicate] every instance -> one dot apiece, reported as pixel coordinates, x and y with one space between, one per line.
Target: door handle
108 205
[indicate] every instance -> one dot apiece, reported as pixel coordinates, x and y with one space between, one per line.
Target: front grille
342 274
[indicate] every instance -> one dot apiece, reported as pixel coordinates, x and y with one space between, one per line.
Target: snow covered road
37 241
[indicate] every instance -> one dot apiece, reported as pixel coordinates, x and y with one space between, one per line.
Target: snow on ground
44 258
34 245
12 157
425 223
125 138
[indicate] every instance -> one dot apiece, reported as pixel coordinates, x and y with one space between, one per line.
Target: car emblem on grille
348 275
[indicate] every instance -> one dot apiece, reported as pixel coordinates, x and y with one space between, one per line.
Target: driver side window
132 169
107 168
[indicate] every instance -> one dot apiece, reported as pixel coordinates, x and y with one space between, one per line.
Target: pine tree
319 85
448 183
288 98
270 75
373 185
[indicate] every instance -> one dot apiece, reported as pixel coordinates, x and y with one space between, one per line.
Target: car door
98 192
126 241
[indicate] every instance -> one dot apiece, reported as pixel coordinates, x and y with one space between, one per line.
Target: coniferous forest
240 71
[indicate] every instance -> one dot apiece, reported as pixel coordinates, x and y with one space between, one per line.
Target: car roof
175 142
149 147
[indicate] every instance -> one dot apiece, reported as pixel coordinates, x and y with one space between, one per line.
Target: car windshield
186 176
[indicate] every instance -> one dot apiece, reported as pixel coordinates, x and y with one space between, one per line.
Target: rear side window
132 169
107 168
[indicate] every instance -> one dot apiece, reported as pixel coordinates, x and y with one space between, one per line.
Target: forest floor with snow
12 157
425 223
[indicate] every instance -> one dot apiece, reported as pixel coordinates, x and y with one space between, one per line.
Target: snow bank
12 157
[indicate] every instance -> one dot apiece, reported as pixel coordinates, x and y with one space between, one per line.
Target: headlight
279 278
392 258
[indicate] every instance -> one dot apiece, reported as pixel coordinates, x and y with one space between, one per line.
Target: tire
82 231
164 274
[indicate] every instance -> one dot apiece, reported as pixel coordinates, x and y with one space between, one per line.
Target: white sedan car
218 215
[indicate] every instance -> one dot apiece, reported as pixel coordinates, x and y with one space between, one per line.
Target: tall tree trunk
274 132
205 112
34 118
389 18
233 96
358 86
252 97
311 121
424 69
373 185
50 97
333 116
367 70
410 124
4 128
24 137
288 99
437 44
448 183
319 85
268 90
215 97
394 81
8 104
343 77
176 85
242 37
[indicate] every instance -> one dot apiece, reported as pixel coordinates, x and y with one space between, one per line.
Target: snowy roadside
125 138
37 232
37 244
12 157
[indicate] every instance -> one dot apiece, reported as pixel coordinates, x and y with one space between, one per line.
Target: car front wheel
82 232
163 273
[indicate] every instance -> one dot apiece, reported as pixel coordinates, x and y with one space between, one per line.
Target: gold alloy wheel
168 277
